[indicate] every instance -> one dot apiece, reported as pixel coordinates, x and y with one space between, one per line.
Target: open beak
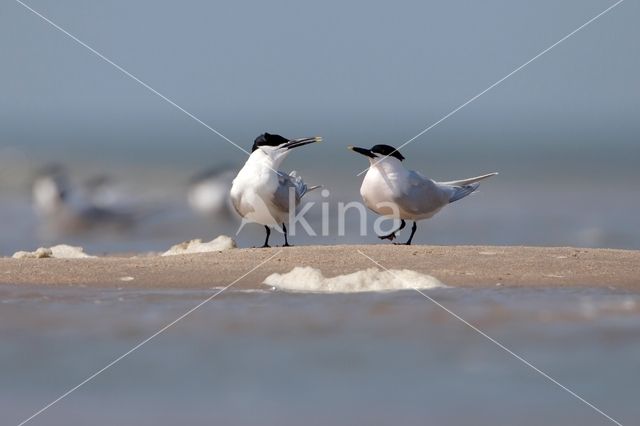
363 151
294 143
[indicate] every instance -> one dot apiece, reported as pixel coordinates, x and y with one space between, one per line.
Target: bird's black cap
387 151
267 139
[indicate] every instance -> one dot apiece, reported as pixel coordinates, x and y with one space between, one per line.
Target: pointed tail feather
469 181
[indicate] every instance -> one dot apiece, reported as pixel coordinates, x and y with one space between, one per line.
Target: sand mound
197 246
61 251
308 279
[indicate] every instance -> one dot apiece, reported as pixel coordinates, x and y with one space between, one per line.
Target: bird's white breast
391 190
252 193
380 188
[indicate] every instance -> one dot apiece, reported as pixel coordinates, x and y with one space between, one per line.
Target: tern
260 193
389 189
104 191
65 211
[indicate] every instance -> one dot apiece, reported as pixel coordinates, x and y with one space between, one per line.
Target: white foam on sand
61 251
197 246
311 280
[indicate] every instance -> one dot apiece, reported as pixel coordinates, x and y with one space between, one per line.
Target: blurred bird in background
208 193
63 209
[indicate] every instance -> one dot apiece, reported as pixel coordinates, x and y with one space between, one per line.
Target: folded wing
286 181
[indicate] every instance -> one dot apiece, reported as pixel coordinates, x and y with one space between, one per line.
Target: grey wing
422 195
290 182
286 184
461 191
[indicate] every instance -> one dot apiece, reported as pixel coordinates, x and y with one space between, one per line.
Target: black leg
413 231
392 235
286 243
266 240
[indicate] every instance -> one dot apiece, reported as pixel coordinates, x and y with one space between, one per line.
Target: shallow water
273 358
499 215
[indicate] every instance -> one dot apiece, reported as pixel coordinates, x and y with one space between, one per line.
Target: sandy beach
466 266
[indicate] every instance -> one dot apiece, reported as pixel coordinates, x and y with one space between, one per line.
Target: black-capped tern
260 193
389 189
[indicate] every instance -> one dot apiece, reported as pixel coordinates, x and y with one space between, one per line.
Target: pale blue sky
356 72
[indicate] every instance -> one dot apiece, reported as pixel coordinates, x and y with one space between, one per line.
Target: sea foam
311 280
61 251
197 246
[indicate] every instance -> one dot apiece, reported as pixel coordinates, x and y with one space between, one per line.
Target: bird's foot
402 244
287 245
389 237
264 246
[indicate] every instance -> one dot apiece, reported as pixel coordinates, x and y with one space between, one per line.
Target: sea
521 356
